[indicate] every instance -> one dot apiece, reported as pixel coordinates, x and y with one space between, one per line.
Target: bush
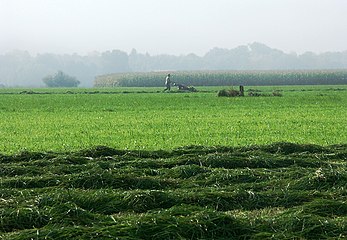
228 93
60 79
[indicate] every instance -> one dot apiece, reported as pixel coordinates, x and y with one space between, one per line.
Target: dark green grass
280 191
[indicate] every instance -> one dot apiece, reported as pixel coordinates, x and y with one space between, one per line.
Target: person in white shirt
168 83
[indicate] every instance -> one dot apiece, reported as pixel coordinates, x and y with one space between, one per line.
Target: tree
60 79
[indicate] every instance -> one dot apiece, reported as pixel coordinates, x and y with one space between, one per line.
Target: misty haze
19 68
87 38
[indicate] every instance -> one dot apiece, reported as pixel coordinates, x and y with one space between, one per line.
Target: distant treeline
19 68
225 78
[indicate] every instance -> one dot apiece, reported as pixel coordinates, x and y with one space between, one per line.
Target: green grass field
149 119
137 163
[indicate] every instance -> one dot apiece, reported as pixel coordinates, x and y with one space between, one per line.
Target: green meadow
137 163
146 118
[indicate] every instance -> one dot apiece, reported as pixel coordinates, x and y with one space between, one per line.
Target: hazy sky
171 26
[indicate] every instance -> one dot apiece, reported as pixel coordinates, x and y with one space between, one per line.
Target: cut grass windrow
282 190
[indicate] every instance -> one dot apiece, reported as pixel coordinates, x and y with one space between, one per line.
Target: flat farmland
136 118
141 164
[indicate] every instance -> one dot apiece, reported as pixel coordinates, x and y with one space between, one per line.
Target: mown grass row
281 190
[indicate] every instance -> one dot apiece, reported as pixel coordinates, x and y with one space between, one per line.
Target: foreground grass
280 191
146 118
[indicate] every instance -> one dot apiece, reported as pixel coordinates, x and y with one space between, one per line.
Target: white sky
171 26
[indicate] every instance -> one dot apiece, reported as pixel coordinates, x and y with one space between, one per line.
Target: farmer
167 83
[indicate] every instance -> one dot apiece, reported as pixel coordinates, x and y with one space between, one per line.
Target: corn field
224 78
